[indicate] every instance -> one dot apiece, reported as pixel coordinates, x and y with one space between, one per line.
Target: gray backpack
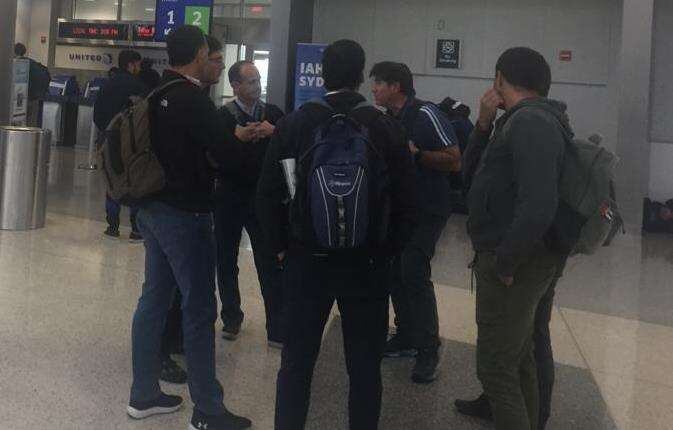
131 168
588 216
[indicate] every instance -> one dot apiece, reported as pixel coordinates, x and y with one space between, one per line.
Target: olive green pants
505 321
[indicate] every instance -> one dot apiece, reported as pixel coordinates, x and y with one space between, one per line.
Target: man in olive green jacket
512 202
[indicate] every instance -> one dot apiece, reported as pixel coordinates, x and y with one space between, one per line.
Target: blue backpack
342 186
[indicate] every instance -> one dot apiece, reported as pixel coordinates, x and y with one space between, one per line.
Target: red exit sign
565 56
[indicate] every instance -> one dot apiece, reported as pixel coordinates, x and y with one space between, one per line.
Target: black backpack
39 80
342 202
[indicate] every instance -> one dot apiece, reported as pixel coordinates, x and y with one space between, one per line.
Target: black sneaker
230 330
164 404
478 408
135 237
399 346
226 421
171 372
111 232
425 370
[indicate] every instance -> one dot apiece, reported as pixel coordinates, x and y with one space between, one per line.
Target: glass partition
138 10
97 9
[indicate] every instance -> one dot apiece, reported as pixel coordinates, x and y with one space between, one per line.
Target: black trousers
311 293
413 293
542 349
234 211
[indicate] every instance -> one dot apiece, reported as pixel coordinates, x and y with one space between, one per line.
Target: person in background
512 204
235 206
434 146
113 98
38 86
148 75
190 142
358 279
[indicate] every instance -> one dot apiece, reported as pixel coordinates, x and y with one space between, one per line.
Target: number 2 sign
174 13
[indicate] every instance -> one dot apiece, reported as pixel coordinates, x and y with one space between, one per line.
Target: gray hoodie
514 194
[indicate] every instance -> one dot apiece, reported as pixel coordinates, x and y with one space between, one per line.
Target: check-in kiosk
86 129
60 110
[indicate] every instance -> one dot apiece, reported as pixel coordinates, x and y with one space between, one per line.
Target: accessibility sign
171 14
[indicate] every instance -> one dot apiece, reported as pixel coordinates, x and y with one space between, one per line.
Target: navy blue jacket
430 129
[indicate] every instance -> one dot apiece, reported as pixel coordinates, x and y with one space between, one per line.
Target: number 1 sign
174 13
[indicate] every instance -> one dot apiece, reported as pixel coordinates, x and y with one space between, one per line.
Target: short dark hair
235 70
343 64
126 57
183 45
20 50
214 45
525 68
394 73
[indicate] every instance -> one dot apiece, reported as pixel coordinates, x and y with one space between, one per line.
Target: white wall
661 121
22 29
406 31
40 21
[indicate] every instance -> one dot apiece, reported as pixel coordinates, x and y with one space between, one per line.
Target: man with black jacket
113 98
188 138
434 145
512 205
235 205
359 283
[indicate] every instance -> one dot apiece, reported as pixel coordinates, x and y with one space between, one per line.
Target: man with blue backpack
347 176
434 146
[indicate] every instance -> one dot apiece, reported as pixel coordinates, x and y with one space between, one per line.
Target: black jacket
191 142
114 97
514 193
294 134
243 179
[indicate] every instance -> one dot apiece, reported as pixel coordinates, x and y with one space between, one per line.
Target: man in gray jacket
512 204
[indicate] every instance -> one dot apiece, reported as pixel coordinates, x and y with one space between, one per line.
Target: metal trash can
24 168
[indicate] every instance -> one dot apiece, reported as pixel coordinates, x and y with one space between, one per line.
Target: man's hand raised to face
488 109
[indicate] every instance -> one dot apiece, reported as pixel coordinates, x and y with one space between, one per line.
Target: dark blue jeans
179 252
112 210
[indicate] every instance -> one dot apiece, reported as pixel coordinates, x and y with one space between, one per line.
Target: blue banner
308 83
175 13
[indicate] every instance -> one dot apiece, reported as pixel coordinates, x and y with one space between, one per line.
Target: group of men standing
228 163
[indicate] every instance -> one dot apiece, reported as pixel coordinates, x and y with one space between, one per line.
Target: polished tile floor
67 296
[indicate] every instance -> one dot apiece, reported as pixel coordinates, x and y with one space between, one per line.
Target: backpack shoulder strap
161 89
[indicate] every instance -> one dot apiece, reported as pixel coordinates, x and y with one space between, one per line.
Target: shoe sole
424 381
107 236
146 413
405 353
229 336
173 382
275 345
136 240
191 427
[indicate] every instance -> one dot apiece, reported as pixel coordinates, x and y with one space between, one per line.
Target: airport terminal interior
68 293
